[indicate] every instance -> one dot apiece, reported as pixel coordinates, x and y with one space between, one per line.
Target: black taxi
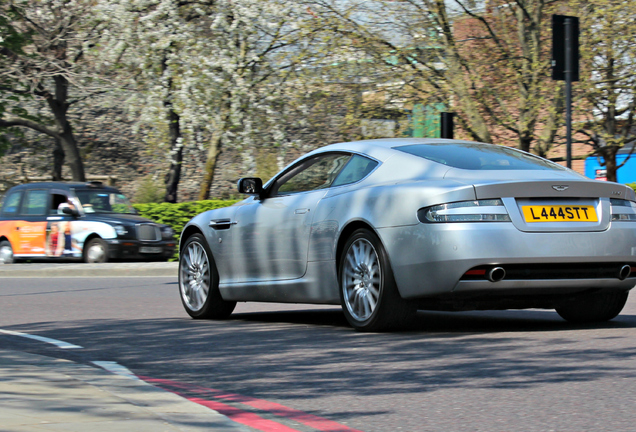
88 221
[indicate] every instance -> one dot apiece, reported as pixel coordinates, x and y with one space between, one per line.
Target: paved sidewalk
145 269
40 393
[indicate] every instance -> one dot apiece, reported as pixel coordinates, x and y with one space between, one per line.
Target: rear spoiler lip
554 189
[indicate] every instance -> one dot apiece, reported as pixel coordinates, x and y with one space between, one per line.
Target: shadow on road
445 322
314 354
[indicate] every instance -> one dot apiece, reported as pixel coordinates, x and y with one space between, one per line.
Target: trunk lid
557 205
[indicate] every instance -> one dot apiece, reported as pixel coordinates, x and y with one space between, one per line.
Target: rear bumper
556 285
430 259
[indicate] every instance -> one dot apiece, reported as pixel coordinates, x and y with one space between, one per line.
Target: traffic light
565 33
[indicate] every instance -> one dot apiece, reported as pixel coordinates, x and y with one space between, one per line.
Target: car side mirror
68 210
250 186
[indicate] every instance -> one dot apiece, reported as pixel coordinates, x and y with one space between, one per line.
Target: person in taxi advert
68 240
54 241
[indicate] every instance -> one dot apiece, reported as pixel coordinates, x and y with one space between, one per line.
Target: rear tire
199 282
96 251
6 253
368 292
597 307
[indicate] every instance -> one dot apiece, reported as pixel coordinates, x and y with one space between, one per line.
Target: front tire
199 282
597 307
368 292
6 253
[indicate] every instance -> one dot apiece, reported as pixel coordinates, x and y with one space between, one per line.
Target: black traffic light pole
565 66
569 38
447 127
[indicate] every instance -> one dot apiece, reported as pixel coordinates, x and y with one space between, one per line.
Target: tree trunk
553 122
215 148
459 87
58 161
210 165
59 107
609 161
610 166
72 155
525 140
174 173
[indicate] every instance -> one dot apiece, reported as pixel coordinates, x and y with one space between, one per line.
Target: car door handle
222 224
301 211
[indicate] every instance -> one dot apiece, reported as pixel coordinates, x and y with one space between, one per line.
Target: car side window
34 203
11 203
56 200
356 169
318 173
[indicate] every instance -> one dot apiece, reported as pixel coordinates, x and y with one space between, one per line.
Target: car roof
63 186
383 148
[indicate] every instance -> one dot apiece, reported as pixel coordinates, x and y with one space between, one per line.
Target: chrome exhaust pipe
496 274
625 272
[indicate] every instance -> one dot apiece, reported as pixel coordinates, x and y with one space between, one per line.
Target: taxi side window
11 203
34 203
56 200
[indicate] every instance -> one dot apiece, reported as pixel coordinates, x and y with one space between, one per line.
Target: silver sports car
387 227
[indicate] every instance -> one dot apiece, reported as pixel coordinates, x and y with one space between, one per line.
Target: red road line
246 418
310 420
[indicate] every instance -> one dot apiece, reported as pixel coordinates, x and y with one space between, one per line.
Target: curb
34 270
160 409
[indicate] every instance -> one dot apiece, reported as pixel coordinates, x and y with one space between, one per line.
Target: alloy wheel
361 279
195 276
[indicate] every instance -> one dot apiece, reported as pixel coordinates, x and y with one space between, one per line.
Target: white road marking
116 368
58 343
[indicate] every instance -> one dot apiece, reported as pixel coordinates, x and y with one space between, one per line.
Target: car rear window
356 169
35 203
479 156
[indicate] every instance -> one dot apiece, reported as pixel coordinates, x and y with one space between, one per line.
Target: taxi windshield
103 201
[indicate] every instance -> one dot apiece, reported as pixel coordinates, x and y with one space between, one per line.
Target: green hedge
177 215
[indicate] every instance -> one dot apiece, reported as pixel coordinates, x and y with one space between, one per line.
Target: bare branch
31 125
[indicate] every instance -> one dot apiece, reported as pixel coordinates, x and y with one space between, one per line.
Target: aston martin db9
387 227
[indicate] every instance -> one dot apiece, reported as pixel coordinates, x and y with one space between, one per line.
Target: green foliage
632 185
9 136
10 36
177 215
149 191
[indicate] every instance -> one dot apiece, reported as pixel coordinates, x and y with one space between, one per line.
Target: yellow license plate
560 213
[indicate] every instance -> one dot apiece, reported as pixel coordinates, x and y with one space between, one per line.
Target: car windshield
479 156
103 201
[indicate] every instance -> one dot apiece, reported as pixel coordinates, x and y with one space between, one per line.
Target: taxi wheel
199 281
597 307
6 253
96 251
